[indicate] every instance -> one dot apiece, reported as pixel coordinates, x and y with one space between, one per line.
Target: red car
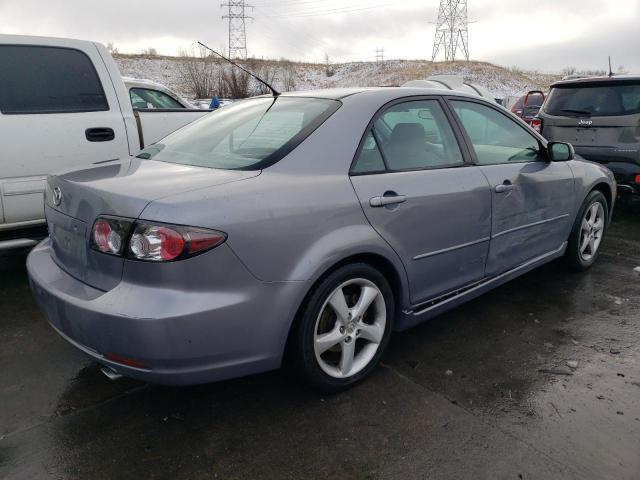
528 106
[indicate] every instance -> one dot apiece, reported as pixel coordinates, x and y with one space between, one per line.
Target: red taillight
536 124
130 362
109 234
638 179
162 243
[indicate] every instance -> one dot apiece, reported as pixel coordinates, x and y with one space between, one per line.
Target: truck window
48 80
146 98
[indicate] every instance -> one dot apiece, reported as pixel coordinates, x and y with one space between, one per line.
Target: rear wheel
588 232
344 328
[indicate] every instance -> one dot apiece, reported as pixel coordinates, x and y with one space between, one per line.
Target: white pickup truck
64 103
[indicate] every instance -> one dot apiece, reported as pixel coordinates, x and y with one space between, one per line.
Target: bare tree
266 72
152 52
328 66
237 82
203 74
111 47
288 74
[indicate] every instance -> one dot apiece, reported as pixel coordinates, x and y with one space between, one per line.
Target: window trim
464 151
57 112
181 108
516 120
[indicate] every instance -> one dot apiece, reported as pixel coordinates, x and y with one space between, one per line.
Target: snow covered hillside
500 81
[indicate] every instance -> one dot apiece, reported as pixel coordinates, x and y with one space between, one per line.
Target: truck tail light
536 124
109 235
163 243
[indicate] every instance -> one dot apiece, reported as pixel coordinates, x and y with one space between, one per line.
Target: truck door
58 109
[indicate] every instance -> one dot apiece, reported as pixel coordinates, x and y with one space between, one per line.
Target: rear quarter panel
588 176
300 216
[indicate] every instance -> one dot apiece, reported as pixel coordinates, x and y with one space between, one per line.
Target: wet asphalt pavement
460 397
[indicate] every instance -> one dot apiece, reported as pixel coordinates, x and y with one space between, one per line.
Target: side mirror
560 151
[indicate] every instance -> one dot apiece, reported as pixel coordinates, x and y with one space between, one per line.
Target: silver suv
601 118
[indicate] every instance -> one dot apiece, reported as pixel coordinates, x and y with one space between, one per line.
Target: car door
423 198
532 196
58 109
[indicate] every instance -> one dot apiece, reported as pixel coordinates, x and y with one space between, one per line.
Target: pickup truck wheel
587 233
343 329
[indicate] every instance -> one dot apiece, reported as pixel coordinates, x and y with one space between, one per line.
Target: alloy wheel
591 231
349 328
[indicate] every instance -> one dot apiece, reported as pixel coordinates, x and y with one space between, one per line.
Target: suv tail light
536 124
637 179
152 242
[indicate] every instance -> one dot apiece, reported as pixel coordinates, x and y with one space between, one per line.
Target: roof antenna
273 90
610 71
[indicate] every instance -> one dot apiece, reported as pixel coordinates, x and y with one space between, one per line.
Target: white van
64 103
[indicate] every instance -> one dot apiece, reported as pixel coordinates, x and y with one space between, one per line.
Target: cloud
547 34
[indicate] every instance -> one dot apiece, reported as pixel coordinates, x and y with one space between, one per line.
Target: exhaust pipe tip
110 373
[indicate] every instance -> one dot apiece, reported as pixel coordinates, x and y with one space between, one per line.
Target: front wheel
344 328
588 232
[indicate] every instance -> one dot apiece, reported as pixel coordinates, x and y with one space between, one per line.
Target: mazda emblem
57 196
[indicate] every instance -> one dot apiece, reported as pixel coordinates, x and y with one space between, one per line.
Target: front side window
248 135
142 98
416 135
495 137
48 80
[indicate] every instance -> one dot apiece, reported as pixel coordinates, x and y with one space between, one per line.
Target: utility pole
379 55
237 15
452 30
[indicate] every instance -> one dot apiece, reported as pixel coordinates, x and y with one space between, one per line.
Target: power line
452 30
334 11
236 15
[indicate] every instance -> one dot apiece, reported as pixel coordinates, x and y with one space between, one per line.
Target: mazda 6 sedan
301 230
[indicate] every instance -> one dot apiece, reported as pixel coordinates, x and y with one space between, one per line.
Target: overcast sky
546 35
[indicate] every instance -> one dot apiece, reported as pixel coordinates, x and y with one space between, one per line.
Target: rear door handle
100 134
507 186
387 200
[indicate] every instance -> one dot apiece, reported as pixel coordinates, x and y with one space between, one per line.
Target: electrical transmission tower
452 32
379 55
237 33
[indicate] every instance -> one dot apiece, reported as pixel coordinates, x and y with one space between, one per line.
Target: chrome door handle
383 201
504 187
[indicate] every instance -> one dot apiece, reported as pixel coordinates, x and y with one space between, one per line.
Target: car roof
597 80
389 93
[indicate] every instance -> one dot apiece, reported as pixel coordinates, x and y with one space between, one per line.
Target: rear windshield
249 135
594 100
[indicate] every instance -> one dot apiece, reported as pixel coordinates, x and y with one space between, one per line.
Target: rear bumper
624 164
185 337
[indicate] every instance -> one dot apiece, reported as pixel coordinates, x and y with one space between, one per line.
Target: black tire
573 258
301 358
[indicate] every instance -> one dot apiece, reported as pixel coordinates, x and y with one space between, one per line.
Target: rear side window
48 80
594 100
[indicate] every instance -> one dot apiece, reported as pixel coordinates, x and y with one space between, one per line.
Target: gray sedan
301 230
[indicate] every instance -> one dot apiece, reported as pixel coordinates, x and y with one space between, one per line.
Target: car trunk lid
121 189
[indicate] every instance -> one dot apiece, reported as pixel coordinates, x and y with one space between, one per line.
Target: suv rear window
48 80
594 100
248 135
